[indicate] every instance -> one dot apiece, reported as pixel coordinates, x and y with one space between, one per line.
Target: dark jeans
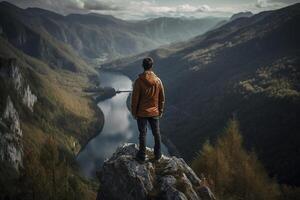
142 126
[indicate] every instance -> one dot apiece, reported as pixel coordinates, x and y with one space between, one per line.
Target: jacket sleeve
135 97
161 98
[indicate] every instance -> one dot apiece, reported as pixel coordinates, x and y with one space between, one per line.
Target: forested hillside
45 118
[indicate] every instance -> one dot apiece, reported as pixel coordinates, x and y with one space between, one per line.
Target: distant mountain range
94 36
247 69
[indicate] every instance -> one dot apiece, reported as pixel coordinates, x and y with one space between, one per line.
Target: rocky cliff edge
170 178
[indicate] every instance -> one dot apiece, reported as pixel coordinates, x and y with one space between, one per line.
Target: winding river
119 126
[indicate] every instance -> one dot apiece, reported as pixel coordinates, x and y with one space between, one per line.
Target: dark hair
147 63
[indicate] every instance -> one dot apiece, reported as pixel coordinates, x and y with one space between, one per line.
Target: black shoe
140 159
157 157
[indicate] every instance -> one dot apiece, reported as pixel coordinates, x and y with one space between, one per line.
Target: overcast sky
141 9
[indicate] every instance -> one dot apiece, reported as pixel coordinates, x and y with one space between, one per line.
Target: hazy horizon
136 10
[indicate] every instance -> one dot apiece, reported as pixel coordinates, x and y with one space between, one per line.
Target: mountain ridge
241 15
118 37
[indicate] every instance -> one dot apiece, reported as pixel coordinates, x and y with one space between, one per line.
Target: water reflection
119 126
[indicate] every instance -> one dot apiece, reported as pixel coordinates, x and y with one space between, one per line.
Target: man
147 105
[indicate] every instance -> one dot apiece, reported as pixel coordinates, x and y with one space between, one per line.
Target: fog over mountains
95 36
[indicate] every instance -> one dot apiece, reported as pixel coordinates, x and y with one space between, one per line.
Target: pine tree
48 176
50 160
233 172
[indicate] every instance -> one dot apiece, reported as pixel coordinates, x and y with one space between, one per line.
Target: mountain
34 41
44 115
246 69
167 30
241 15
95 36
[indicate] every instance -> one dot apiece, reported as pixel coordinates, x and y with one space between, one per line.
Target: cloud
146 9
274 3
81 4
286 1
125 9
99 5
175 10
141 9
204 8
67 6
261 3
189 8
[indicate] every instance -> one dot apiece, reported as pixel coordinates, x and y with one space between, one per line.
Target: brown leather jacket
148 96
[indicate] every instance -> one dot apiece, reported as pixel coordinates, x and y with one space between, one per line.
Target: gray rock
205 193
11 73
29 98
167 186
173 194
11 149
167 182
16 76
170 178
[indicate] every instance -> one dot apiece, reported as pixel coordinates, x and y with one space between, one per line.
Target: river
119 126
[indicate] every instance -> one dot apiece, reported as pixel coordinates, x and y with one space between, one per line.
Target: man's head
147 63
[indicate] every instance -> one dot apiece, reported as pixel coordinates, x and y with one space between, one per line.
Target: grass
66 90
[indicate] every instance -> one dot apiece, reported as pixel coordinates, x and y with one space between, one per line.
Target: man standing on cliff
147 105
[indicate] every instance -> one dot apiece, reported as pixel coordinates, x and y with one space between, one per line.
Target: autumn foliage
233 172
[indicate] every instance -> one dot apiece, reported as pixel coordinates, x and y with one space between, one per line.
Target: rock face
29 98
11 73
11 148
170 178
16 92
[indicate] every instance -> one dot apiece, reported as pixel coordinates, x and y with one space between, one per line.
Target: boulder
170 178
